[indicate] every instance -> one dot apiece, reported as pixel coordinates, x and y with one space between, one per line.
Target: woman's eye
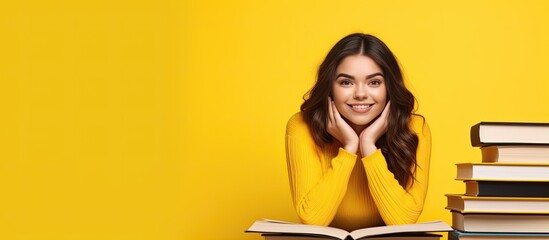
345 82
375 82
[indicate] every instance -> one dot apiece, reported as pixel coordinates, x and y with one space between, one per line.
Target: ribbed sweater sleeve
317 191
395 204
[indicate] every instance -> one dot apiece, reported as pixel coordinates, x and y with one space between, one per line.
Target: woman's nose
360 92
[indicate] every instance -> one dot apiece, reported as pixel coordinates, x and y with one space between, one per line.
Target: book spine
475 135
453 235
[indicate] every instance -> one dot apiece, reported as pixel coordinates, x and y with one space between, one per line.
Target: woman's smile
361 108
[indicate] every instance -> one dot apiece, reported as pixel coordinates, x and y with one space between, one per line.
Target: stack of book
507 195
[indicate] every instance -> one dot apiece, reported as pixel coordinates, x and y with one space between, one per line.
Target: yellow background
165 119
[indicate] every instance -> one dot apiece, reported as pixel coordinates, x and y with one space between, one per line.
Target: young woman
357 154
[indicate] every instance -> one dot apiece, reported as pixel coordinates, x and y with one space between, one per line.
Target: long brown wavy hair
399 143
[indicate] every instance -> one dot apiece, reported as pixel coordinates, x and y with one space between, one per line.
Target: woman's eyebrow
374 75
345 75
367 77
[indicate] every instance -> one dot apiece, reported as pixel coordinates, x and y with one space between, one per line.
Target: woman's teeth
361 106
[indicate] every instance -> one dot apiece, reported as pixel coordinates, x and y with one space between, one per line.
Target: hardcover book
497 222
503 171
468 204
516 153
501 133
507 189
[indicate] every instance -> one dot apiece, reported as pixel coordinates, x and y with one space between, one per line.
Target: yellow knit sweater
330 186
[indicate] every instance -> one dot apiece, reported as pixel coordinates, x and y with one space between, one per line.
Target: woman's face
359 91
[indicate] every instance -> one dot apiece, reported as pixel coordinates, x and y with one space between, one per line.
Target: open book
273 226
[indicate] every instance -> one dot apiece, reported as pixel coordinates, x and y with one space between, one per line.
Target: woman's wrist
351 147
367 149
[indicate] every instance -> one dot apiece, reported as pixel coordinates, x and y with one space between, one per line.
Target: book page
276 221
274 226
435 226
295 228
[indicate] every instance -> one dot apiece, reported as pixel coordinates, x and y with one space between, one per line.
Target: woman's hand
370 135
340 130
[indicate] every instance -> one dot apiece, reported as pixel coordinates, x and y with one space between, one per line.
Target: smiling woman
357 154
